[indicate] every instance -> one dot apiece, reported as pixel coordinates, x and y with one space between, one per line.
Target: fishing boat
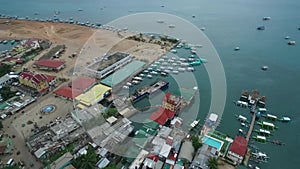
125 87
4 41
149 76
170 68
264 68
171 60
261 28
154 72
182 59
263 132
181 69
241 118
190 69
135 82
292 42
171 26
129 84
237 48
202 28
278 142
259 138
196 62
267 125
175 72
165 63
160 21
270 117
164 73
165 57
174 64
191 59
174 51
142 75
193 51
157 62
203 60
146 71
167 71
285 119
150 68
266 18
287 37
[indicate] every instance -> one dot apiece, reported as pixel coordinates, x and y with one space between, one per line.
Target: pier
251 127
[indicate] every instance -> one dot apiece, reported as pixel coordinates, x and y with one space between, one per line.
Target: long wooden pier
251 126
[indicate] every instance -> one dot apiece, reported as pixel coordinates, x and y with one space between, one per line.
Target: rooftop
67 92
239 145
162 115
94 95
82 83
49 63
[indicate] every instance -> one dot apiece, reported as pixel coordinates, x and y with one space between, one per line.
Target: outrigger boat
259 138
285 119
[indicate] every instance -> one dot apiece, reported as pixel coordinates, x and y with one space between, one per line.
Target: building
7 79
52 65
202 156
67 92
38 82
172 102
238 149
62 161
92 96
186 151
82 83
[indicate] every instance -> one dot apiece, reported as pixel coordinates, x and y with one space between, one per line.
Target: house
62 161
237 150
39 82
7 79
172 102
52 65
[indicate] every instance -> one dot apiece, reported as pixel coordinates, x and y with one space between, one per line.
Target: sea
228 24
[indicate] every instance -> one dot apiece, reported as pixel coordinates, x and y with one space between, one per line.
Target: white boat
129 84
174 51
174 58
171 26
192 56
164 56
161 60
153 65
174 64
150 68
164 73
202 28
149 76
175 72
125 87
285 119
193 51
162 68
264 68
184 64
190 69
170 68
182 59
181 69
266 18
146 71
191 59
170 60
135 82
138 78
160 21
287 37
165 63
154 73
292 42
157 62
237 48
142 75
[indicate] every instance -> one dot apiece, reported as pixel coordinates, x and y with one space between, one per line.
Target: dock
251 127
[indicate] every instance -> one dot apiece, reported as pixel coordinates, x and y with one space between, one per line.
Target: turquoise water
227 25
212 142
48 109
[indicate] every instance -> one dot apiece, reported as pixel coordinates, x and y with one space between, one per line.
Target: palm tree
87 161
212 163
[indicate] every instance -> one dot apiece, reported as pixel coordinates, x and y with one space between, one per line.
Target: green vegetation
1 125
111 166
6 93
53 157
110 112
52 52
86 161
212 163
4 69
196 143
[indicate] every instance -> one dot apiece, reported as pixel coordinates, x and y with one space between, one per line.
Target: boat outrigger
263 132
267 125
259 138
285 119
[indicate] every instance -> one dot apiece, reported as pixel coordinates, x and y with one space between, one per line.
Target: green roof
123 73
3 105
151 124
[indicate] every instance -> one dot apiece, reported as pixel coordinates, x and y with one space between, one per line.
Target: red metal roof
82 83
50 63
67 92
162 115
153 157
239 145
36 78
50 78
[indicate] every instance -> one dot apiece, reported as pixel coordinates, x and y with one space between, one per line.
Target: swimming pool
213 142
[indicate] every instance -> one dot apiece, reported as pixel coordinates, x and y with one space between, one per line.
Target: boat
285 119
160 21
125 87
157 62
154 72
150 68
237 48
170 68
181 69
261 28
191 59
203 60
194 123
174 64
12 42
135 82
174 51
266 18
165 63
267 125
129 84
4 41
148 90
263 132
182 59
287 37
264 68
184 64
292 42
153 65
146 71
193 51
259 138
190 69
270 117
138 78
142 75
164 57
164 73
162 68
241 118
149 76
278 142
192 56
158 70
80 9
171 60
171 26
175 72
202 28
196 62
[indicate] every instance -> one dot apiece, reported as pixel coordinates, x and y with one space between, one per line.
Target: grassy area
52 52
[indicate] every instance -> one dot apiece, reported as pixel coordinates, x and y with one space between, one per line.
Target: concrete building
7 79
51 65
186 151
172 102
38 82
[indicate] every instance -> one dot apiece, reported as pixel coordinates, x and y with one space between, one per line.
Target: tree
196 143
212 163
1 125
4 69
87 161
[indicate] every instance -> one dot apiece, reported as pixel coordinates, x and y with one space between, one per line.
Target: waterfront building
238 149
7 79
172 102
